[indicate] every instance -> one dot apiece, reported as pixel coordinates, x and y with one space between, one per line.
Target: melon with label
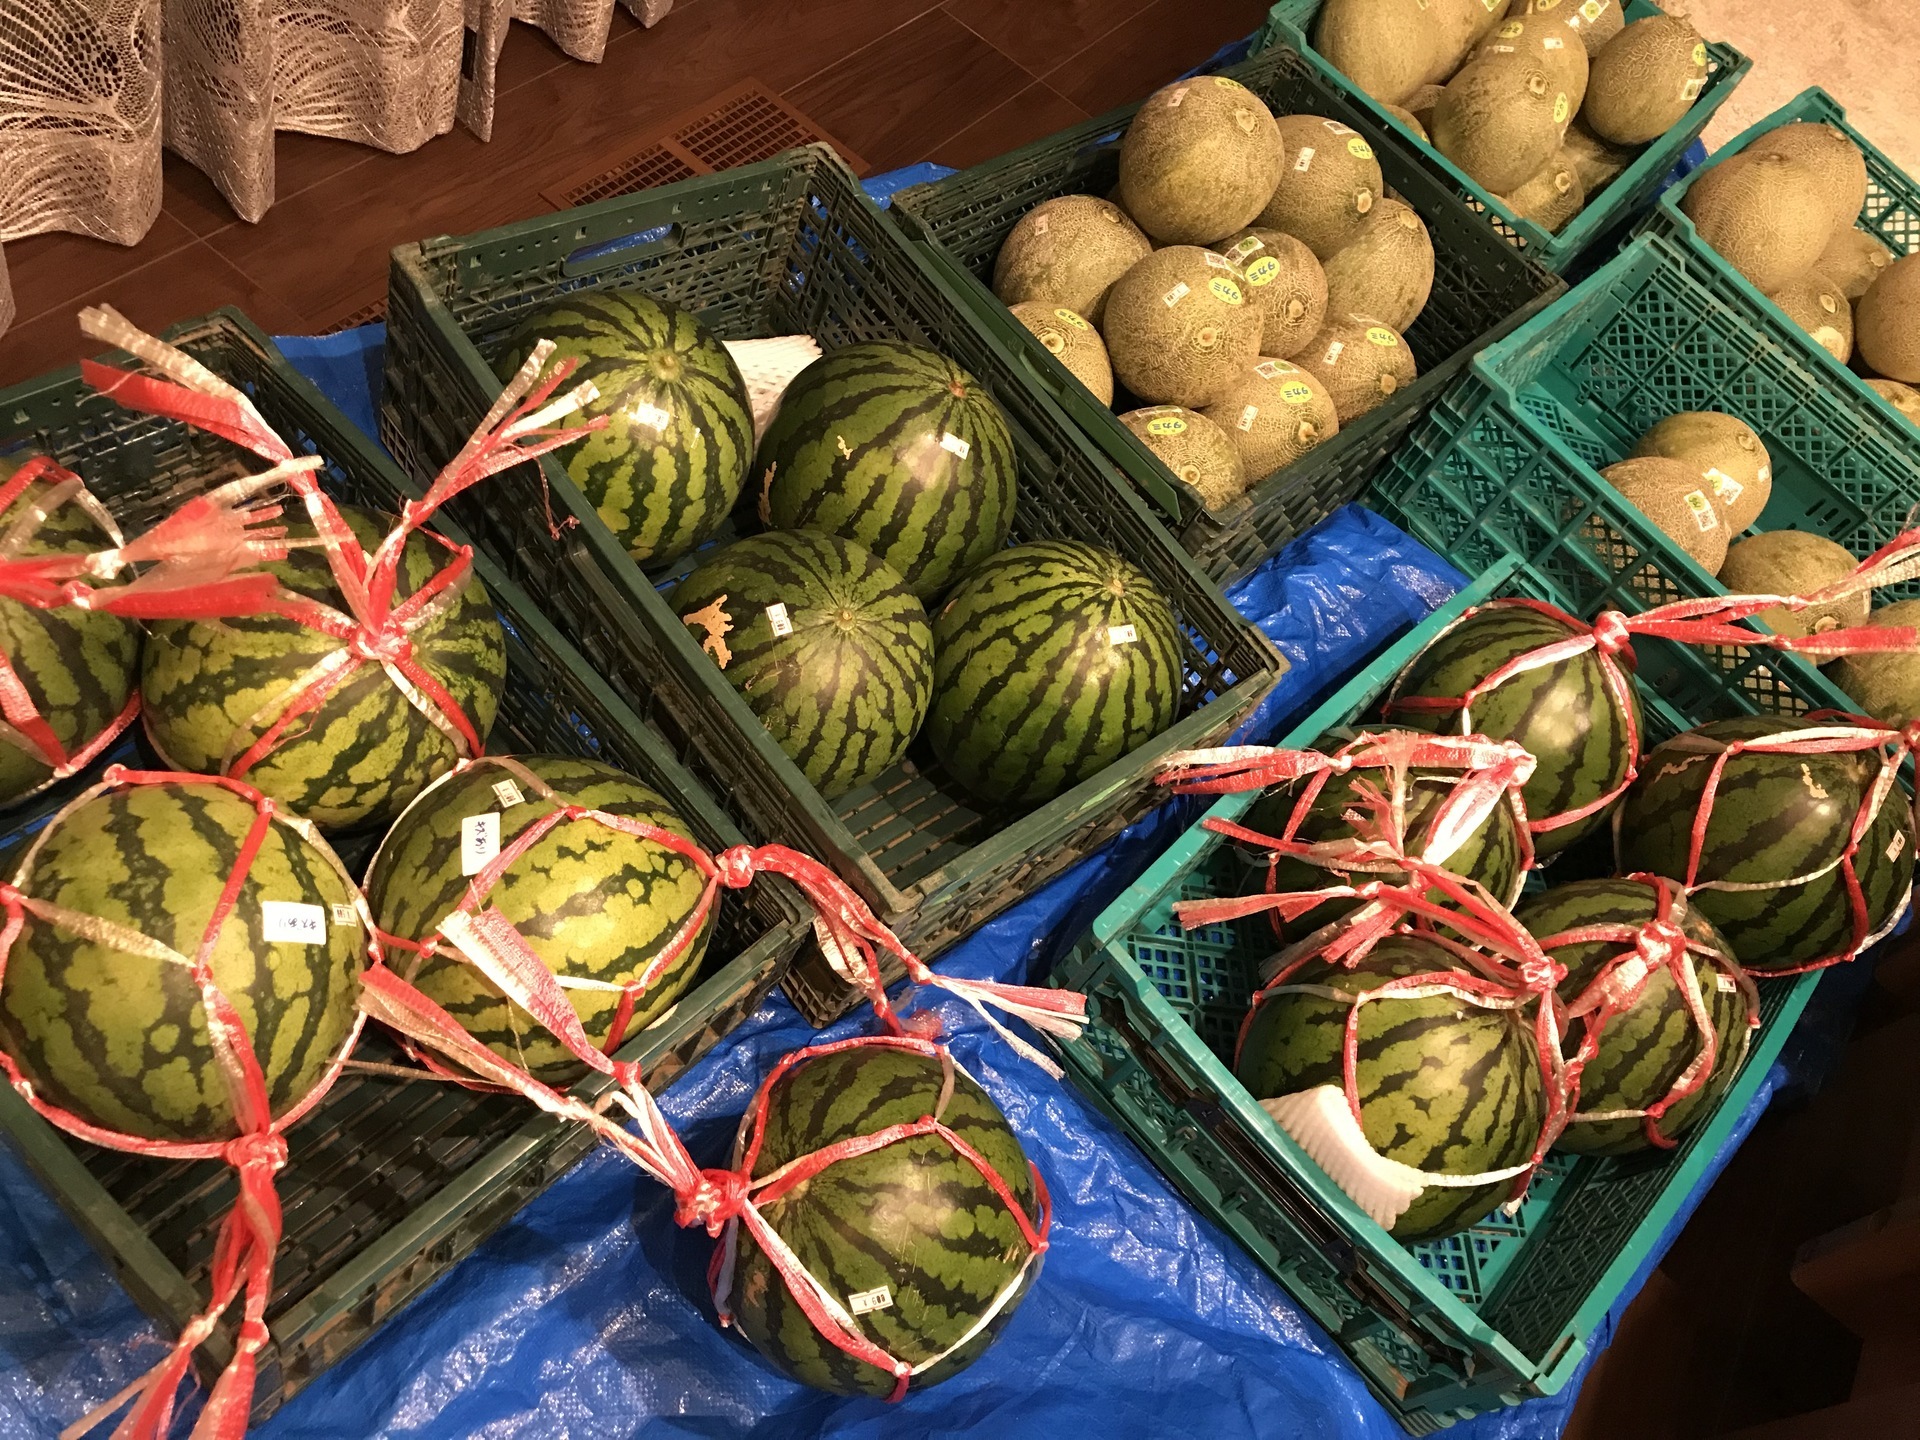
1330 185
1199 161
1286 283
1068 251
1275 412
1198 452
1075 343
1727 452
1362 363
1672 495
1180 326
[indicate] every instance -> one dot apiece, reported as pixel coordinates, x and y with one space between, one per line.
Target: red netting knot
1610 631
734 868
719 1197
385 644
1540 974
257 1150
254 1333
1660 942
1910 736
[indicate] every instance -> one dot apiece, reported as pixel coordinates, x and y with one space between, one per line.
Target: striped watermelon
1444 1086
1051 661
592 902
121 1039
666 472
1563 713
211 690
895 447
1492 854
1647 1047
844 686
1773 817
77 666
912 1218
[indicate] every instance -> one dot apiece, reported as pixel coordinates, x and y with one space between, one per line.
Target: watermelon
592 902
842 683
121 1039
1492 854
667 470
1563 713
1445 1087
898 448
212 690
1647 1047
76 666
1051 661
1773 817
912 1219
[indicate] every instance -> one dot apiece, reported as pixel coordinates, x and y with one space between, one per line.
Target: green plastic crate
1592 233
1440 1331
1892 214
791 245
389 1182
1508 462
1481 289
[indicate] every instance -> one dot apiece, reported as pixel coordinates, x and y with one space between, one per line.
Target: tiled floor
896 80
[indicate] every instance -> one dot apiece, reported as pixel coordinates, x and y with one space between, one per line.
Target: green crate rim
1378 1249
1667 220
1587 230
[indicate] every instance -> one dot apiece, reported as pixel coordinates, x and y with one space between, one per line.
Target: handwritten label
293 922
1178 293
1304 161
479 841
1167 425
1121 635
778 621
1702 508
1068 318
1225 291
1247 417
1296 392
1262 271
344 914
867 1301
508 794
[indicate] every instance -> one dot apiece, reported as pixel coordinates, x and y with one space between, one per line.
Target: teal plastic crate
1440 1331
1892 213
1508 463
1591 234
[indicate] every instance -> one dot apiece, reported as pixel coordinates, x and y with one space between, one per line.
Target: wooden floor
897 81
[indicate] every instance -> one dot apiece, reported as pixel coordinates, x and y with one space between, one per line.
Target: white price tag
953 444
1173 100
1041 223
1896 845
508 794
479 841
1702 508
867 1301
1335 349
293 921
1247 417
651 416
1305 160
1121 635
1724 982
344 915
777 619
1178 293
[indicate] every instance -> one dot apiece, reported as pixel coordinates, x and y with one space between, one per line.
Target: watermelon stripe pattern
668 468
211 690
120 1039
1564 713
1774 816
913 1217
78 666
592 902
899 449
846 687
1051 661
1445 1087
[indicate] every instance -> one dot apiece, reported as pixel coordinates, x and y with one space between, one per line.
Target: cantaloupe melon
1725 452
1180 327
1551 198
1387 271
1853 260
1819 307
1547 41
1885 684
1886 325
1386 47
1671 495
1594 21
1274 412
1200 160
1791 562
1361 362
1500 120
1330 184
1287 284
1408 120
1838 167
1076 343
1195 449
1903 398
1763 214
1068 251
1645 79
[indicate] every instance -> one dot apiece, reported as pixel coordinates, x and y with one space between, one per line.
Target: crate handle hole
626 249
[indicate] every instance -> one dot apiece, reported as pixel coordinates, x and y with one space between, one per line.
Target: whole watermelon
666 471
1445 1086
1646 1048
912 1219
1563 713
1491 854
77 666
591 901
898 448
1774 816
212 690
843 682
121 1039
1051 661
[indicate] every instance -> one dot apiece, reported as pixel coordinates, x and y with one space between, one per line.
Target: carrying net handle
374 629
1660 944
244 1250
1835 733
1709 620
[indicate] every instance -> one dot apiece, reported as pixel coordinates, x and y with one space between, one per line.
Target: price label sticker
1896 845
1512 30
1359 149
954 445
508 794
1724 485
1593 10
479 841
1700 54
1071 320
1724 982
1178 293
1226 82
1252 245
1247 417
777 619
1225 291
1174 97
343 914
1121 635
1296 392
1562 108
1383 337
1304 160
651 416
1334 127
1702 508
1690 91
1166 425
867 1301
1335 349
1263 270
1042 222
1272 369
293 922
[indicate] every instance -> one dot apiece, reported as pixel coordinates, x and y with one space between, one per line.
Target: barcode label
1702 508
1247 417
1121 635
479 841
293 921
1896 845
651 416
954 445
867 1301
1305 160
508 794
1178 293
777 618
1724 485
1724 982
344 915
